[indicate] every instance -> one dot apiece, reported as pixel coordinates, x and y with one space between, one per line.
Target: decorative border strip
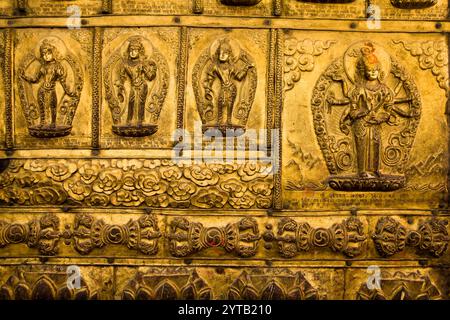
8 84
96 87
181 76
278 201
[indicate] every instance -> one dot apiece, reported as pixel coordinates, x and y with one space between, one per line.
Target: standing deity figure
136 83
371 105
224 85
138 71
380 124
226 72
51 72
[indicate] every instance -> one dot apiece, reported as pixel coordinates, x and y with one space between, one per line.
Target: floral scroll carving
134 182
240 238
294 237
431 237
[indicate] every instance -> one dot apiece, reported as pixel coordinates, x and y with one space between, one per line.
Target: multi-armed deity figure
138 70
222 74
370 105
50 72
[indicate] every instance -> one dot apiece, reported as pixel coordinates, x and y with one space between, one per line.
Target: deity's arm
121 82
345 122
150 71
332 101
61 76
242 73
211 75
34 78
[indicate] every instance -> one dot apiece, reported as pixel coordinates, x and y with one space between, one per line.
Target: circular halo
353 53
235 48
148 47
61 49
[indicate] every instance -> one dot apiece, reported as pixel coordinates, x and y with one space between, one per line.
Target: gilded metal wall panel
224 149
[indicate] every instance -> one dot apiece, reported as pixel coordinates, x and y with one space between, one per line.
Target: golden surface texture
224 149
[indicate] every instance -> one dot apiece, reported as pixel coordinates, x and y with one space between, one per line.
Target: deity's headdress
224 44
367 59
136 43
47 46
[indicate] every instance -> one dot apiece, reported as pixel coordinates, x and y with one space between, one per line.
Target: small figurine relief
240 2
49 108
224 80
413 4
366 111
328 1
136 84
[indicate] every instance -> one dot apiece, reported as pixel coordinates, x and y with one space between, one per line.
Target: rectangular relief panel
139 109
227 91
363 120
52 86
223 237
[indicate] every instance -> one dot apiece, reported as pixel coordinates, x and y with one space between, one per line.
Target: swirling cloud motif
153 183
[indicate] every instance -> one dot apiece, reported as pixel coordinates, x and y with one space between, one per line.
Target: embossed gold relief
283 285
147 283
413 4
391 237
51 101
370 132
240 2
89 233
188 237
408 284
177 283
217 74
136 112
138 88
228 84
350 173
42 234
370 107
47 114
412 9
136 182
50 283
292 237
